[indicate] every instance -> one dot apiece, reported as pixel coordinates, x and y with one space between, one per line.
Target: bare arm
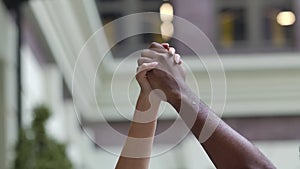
137 148
226 148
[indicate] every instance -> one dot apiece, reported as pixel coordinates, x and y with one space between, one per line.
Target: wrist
177 96
144 93
147 99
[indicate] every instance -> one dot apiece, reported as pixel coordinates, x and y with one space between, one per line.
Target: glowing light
166 12
286 18
167 30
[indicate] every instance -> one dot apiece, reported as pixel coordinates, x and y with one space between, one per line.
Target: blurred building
258 42
233 26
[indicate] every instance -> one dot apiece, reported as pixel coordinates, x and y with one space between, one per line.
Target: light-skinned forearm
137 148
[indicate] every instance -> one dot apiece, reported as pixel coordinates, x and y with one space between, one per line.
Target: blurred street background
40 41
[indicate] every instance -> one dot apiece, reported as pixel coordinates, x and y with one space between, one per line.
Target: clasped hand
160 67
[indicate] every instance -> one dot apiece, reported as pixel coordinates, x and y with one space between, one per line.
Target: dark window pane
232 24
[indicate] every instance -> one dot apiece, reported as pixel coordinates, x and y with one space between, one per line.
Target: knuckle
156 46
154 71
153 45
145 52
143 66
162 57
139 61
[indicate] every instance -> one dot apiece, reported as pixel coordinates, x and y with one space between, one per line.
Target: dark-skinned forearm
226 148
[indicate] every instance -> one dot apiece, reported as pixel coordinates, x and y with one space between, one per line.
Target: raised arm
137 148
226 148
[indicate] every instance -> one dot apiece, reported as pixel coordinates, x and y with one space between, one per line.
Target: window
111 10
276 32
234 26
255 25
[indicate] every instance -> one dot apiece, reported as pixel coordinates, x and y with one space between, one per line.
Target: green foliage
24 152
35 150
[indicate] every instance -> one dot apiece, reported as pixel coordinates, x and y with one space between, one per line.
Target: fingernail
177 58
154 63
166 46
172 50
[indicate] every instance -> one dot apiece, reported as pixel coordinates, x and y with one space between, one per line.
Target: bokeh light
286 18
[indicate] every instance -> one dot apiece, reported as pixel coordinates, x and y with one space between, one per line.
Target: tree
40 151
